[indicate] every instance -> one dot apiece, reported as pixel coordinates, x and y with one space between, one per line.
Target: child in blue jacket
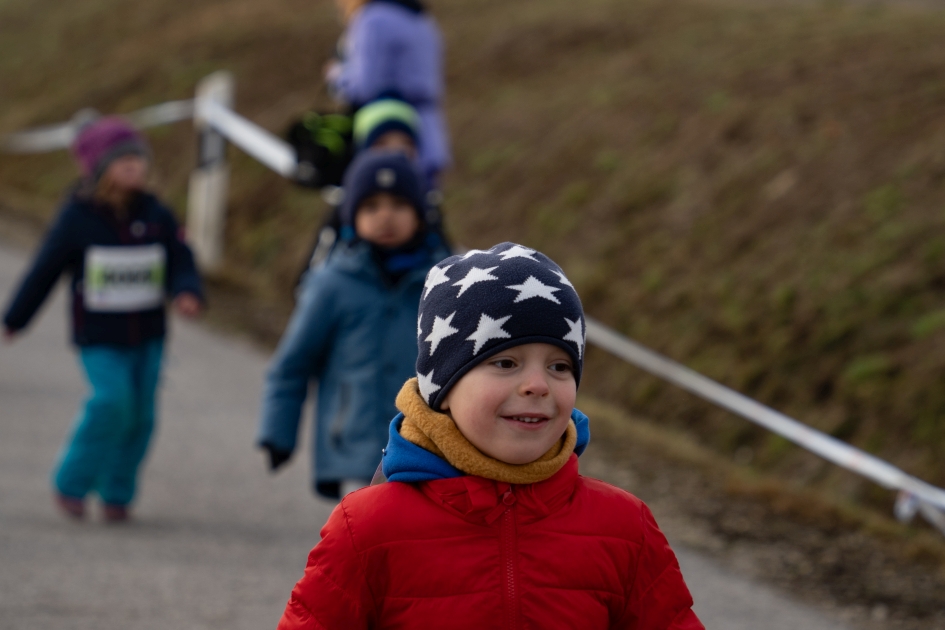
353 327
125 254
387 124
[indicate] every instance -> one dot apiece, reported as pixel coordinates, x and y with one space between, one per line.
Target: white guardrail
56 137
915 495
212 109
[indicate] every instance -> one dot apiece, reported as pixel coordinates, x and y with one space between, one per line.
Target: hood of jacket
358 259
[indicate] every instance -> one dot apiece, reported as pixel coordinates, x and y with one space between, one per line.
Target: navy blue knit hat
374 172
483 302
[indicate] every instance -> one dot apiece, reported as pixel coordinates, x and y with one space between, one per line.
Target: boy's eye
561 367
505 364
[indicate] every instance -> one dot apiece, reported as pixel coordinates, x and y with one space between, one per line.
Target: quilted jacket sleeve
367 70
333 594
58 247
658 598
303 346
182 274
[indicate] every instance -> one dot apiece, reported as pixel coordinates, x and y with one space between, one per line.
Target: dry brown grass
754 191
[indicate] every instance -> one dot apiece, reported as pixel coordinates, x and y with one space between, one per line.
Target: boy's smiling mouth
528 418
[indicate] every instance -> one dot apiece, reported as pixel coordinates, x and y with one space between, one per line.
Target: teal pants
112 431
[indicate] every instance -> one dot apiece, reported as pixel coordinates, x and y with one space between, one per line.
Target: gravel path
217 542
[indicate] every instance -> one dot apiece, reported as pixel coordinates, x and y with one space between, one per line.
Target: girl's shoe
70 506
115 513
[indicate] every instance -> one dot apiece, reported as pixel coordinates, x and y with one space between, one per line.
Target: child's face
515 405
396 141
129 172
386 220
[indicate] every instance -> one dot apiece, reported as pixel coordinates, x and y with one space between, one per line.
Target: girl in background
125 255
394 47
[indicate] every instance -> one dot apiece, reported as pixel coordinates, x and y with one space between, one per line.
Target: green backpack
325 146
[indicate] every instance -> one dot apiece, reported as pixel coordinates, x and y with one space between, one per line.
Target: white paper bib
124 278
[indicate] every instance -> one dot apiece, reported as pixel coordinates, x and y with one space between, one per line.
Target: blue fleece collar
407 462
356 258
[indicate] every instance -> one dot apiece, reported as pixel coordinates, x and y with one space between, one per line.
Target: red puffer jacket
468 552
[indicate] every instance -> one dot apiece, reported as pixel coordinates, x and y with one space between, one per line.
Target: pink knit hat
103 141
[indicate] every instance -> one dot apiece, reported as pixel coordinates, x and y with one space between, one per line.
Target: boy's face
516 404
386 220
396 141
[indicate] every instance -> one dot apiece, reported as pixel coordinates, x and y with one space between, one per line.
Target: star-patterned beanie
485 301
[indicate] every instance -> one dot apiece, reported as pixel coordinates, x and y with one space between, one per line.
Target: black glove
277 456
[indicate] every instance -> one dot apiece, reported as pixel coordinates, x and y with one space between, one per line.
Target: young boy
126 255
352 330
485 521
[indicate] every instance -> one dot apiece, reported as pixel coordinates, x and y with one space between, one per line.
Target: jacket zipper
508 550
337 427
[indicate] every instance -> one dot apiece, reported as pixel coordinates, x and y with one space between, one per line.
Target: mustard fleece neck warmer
437 433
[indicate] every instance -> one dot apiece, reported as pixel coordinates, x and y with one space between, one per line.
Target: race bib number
122 279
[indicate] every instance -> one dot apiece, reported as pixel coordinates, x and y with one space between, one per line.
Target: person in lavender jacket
393 47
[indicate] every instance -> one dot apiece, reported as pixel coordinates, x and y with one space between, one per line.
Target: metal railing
915 495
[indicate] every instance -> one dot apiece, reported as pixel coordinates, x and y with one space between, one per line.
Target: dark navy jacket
82 224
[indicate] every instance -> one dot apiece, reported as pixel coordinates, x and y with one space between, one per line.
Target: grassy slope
757 192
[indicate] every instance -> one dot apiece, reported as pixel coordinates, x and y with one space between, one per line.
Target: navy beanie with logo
485 301
375 172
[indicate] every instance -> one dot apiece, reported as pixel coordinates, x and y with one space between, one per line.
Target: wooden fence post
207 193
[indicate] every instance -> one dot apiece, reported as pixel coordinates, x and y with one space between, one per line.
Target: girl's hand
188 305
332 71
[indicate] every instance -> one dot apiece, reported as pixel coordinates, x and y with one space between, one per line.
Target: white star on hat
472 277
441 330
436 277
518 251
564 279
488 329
576 335
532 287
427 386
474 252
419 325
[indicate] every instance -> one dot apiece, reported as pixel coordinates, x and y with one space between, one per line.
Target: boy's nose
534 383
385 214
